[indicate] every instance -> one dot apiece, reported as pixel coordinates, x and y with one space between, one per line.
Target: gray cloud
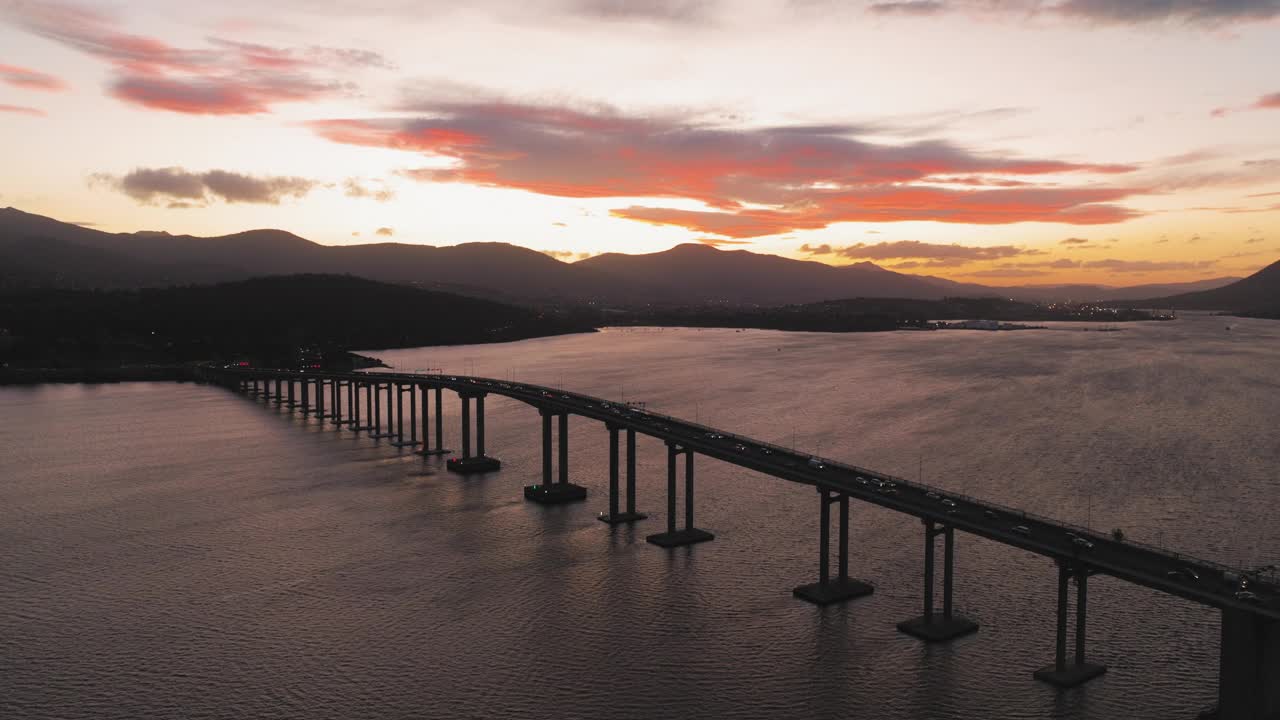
930 251
1074 241
1107 12
1190 11
1007 272
910 7
356 188
183 189
662 11
1143 266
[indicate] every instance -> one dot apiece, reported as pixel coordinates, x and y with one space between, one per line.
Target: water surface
178 551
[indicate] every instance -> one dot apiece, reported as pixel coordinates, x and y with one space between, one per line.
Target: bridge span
1249 677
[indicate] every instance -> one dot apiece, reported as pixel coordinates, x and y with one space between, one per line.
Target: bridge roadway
1133 562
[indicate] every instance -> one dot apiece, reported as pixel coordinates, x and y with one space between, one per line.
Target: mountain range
37 251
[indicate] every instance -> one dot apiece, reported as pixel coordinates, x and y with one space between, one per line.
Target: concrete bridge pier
335 406
1249 668
689 534
320 410
290 401
305 393
368 407
827 591
468 463
561 491
353 404
930 626
279 396
1061 673
614 517
353 398
375 417
341 409
413 416
439 449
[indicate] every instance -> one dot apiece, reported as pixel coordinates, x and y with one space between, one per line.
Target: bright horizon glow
1051 144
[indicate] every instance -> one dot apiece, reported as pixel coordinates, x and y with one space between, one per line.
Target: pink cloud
21 110
1266 102
29 79
760 181
228 78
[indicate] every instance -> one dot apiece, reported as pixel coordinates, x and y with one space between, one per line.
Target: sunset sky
995 141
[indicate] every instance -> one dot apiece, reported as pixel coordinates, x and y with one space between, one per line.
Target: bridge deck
1164 570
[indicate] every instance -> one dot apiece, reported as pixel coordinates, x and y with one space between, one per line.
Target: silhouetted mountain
685 274
693 273
1107 293
148 259
37 251
269 318
1257 294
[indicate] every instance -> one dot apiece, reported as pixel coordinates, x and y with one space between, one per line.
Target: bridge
399 407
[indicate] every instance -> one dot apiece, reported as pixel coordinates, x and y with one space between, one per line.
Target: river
177 551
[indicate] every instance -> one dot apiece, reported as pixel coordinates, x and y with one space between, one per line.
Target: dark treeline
276 321
868 314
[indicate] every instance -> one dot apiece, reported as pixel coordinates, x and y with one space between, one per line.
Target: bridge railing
1269 577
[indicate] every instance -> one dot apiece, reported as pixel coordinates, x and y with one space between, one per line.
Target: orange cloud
761 181
29 79
899 203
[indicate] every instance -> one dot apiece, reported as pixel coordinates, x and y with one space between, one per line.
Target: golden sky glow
1001 142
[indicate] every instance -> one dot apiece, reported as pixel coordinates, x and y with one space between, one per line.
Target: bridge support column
376 418
306 396
279 398
426 423
827 591
368 407
689 534
1061 673
413 415
1249 668
468 463
335 400
320 412
930 626
291 401
614 516
356 386
342 410
558 491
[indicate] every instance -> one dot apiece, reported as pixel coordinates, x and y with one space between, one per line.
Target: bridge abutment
560 491
931 626
1078 671
830 590
689 534
615 516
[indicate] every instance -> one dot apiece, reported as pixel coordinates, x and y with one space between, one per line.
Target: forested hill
270 321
